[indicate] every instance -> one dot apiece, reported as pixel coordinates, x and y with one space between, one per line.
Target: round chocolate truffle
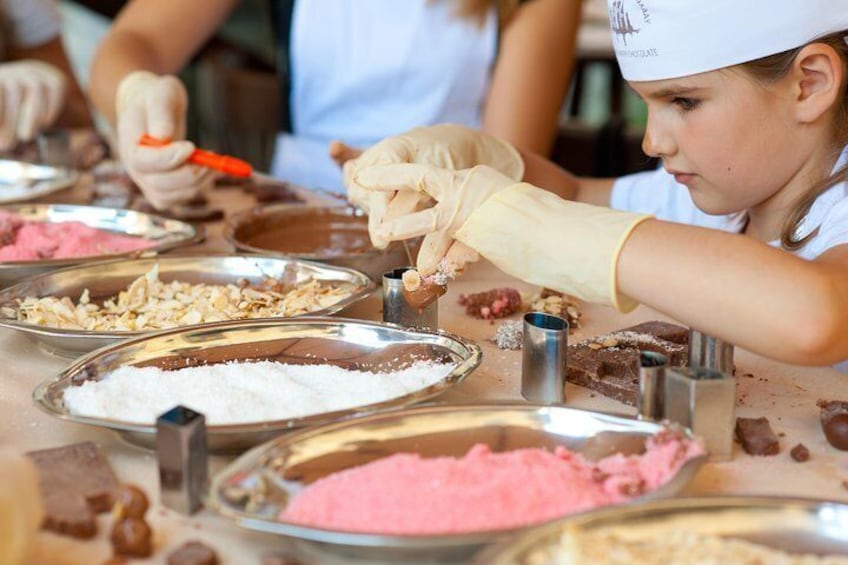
132 537
835 428
131 503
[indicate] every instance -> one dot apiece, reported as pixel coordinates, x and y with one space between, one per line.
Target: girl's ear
817 74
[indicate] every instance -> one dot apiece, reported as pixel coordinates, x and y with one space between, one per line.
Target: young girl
744 234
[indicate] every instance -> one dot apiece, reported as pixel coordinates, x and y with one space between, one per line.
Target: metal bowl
351 344
339 236
254 489
165 232
20 181
105 279
788 524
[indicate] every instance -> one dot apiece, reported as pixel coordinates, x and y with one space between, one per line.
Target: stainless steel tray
242 228
352 344
254 489
20 181
789 524
107 278
167 234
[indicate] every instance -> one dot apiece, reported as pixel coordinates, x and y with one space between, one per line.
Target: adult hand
156 105
31 97
444 146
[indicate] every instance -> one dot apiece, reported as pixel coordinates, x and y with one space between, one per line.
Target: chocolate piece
132 537
131 503
756 436
76 482
424 295
834 422
495 303
800 453
193 553
609 363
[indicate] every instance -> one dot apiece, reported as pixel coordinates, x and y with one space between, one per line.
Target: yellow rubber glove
21 512
31 96
525 231
156 105
446 146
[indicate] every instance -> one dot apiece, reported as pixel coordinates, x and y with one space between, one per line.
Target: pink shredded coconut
30 241
405 494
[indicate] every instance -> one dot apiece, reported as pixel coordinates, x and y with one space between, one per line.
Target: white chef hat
661 39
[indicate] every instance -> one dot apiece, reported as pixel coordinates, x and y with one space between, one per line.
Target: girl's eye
685 104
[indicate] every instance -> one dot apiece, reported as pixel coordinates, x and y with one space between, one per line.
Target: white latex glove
525 231
156 105
31 97
445 146
21 512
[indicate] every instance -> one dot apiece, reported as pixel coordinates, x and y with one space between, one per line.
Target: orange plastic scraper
204 158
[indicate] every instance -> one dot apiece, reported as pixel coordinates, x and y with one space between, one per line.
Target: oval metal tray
789 524
242 229
351 344
266 477
20 181
105 279
165 232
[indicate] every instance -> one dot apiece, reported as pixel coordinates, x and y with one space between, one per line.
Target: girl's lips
683 178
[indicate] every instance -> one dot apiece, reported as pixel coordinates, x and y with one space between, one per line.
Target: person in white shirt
359 70
743 235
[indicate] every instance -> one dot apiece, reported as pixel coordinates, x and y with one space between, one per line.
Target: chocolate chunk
756 436
76 482
424 295
131 503
834 422
495 303
193 553
132 537
800 453
609 364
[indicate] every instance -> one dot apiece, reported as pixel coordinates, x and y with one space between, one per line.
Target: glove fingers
458 257
433 248
11 107
411 225
405 176
165 105
32 108
160 159
54 97
403 203
377 203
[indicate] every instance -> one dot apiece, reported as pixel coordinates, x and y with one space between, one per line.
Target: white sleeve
833 230
32 22
657 193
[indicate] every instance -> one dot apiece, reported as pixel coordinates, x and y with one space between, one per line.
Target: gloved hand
446 146
32 94
156 105
525 231
21 511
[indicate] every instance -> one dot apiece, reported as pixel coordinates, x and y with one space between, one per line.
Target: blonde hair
477 9
771 69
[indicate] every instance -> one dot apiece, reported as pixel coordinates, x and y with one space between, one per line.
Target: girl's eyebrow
672 91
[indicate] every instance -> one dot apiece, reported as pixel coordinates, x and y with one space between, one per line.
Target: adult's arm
532 74
159 36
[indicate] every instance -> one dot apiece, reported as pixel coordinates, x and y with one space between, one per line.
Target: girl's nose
657 142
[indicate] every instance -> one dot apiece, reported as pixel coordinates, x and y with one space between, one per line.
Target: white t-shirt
657 193
368 69
27 23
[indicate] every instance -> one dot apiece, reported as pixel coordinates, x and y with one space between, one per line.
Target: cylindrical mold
544 358
397 310
181 451
649 402
710 352
54 148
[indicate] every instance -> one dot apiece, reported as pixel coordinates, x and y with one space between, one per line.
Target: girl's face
727 138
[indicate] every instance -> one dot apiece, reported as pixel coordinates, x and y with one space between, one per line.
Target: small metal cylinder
703 400
54 148
181 452
397 310
544 358
649 402
710 352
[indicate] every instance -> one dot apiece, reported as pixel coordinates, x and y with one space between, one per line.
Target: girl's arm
154 35
532 74
741 290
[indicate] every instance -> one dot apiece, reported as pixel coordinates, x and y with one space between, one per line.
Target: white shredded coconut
243 392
